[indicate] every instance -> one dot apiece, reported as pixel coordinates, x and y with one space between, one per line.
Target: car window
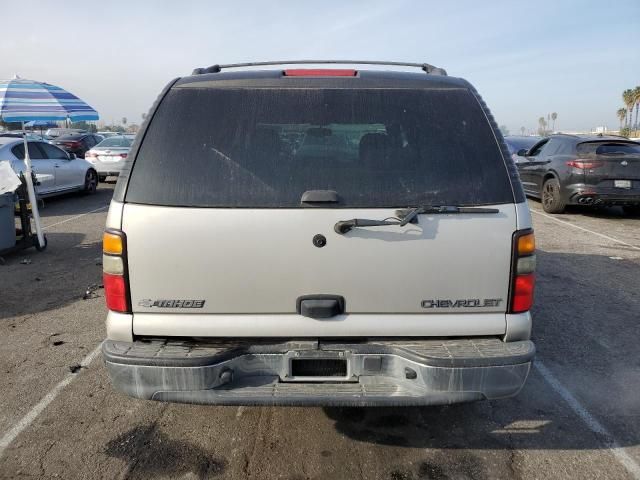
537 149
552 147
266 147
517 144
118 141
608 148
88 141
53 152
34 152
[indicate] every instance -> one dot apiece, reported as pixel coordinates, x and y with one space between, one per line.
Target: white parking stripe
28 419
594 425
77 216
611 239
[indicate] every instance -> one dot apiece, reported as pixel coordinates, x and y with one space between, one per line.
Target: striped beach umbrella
23 100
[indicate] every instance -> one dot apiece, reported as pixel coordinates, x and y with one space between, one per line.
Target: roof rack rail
429 69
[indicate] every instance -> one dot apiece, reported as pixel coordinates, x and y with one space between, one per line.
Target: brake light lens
320 72
523 293
123 155
115 292
585 164
114 273
90 154
523 271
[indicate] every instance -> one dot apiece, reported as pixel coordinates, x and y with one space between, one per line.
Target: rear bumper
377 372
582 194
107 169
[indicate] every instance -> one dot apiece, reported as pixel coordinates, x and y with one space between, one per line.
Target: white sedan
109 156
57 171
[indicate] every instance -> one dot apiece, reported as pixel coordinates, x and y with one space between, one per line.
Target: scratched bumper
377 372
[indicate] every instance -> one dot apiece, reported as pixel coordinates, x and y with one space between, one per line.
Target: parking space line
612 239
75 217
28 419
594 425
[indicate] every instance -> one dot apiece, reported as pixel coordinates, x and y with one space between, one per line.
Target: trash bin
7 221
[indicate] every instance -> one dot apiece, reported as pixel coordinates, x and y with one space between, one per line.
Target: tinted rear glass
265 147
608 148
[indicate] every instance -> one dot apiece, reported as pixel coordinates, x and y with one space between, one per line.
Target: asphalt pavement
578 417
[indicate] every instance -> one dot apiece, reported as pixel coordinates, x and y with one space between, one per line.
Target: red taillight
71 144
114 271
115 291
523 266
585 164
319 72
522 298
123 155
90 154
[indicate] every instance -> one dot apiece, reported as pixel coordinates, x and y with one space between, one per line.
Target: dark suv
594 170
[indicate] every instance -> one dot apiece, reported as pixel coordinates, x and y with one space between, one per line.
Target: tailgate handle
320 306
319 196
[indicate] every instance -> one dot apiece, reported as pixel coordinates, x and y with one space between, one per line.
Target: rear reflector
523 293
319 72
115 292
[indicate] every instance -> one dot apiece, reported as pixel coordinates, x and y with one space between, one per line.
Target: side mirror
72 156
522 152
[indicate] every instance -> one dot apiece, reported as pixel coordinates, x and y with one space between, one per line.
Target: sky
527 59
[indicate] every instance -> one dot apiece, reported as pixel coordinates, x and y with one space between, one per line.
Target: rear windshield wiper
406 216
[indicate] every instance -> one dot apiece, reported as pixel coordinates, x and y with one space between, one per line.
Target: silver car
397 269
56 170
109 156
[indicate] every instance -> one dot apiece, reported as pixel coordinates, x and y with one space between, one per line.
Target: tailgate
251 261
611 161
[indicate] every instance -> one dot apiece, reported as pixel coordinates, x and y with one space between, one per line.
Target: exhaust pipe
588 200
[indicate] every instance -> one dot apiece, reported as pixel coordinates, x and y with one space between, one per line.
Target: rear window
116 142
263 148
596 148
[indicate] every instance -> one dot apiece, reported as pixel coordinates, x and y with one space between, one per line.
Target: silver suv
313 237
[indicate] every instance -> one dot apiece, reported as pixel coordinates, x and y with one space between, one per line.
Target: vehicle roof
72 136
591 137
364 78
10 141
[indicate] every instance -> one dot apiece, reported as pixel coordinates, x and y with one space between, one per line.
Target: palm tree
543 126
554 116
622 114
636 95
522 129
629 100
